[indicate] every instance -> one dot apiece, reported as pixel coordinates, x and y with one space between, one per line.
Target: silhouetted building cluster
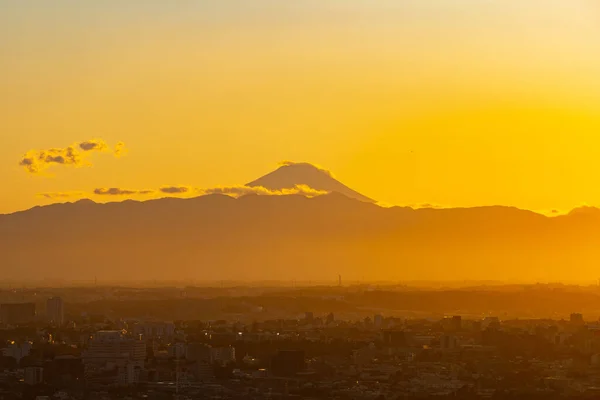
17 313
308 355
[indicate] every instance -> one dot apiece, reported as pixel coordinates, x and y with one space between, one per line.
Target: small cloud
175 189
37 161
76 155
61 195
292 163
120 150
120 192
93 145
551 213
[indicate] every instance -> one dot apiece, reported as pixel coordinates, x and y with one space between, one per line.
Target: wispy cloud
76 155
120 192
93 145
61 195
233 191
292 163
186 191
176 189
237 191
120 149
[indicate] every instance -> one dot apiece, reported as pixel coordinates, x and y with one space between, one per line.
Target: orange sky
457 103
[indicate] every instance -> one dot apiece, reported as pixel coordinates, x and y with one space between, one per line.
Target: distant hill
291 174
292 237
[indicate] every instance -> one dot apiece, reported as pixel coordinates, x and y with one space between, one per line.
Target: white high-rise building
55 311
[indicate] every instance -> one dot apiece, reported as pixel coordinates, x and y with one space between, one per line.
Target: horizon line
422 206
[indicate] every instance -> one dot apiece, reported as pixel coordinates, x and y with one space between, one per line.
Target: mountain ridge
582 210
283 237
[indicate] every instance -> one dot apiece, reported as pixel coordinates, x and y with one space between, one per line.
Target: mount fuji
291 174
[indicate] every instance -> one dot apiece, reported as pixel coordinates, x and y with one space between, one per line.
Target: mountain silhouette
216 237
291 174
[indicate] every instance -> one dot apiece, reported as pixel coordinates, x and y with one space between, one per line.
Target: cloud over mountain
76 155
288 163
259 190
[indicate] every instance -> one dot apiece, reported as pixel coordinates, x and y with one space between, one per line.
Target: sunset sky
449 102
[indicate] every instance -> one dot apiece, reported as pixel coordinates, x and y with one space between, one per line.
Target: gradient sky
457 103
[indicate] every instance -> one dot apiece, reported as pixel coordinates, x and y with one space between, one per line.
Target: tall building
309 317
177 350
55 311
577 319
448 342
113 358
17 313
330 319
456 323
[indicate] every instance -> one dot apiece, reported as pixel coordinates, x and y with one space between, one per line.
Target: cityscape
68 348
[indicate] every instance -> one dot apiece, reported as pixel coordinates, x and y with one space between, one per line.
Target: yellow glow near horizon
457 103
